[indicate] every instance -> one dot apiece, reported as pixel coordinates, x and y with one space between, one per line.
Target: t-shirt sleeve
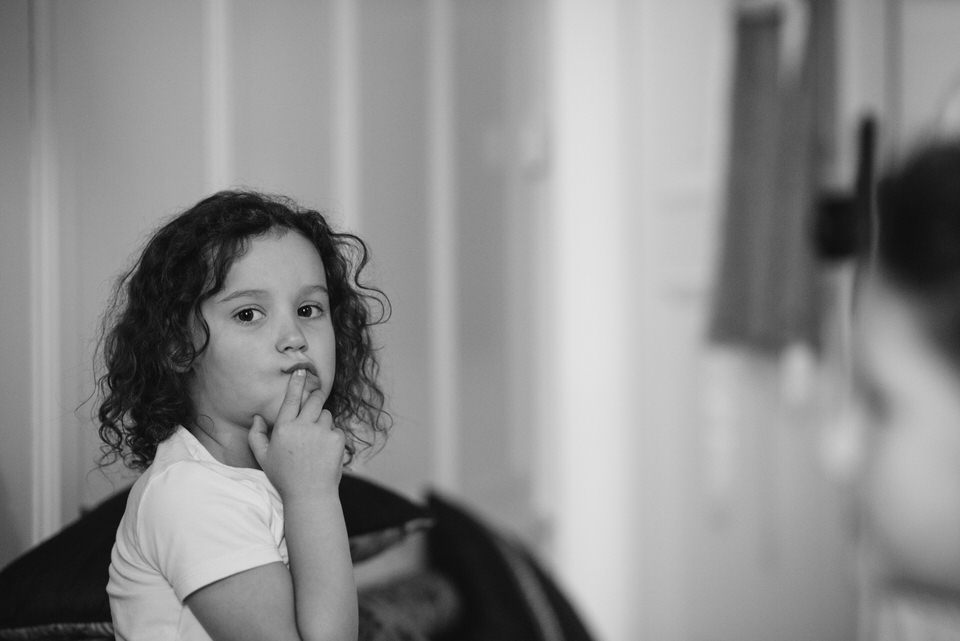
198 527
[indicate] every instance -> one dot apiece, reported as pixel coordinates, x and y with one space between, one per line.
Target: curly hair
148 342
918 235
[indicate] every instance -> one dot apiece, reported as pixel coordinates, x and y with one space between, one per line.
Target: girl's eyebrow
243 293
316 288
261 293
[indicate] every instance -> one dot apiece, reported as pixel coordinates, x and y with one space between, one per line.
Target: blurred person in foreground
907 379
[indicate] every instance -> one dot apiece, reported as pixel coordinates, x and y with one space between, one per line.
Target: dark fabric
571 625
60 632
370 508
505 594
63 579
767 292
426 601
843 220
375 624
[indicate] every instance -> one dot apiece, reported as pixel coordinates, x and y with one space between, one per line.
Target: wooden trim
444 358
44 280
588 217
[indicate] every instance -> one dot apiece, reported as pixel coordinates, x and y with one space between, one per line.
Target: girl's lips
307 366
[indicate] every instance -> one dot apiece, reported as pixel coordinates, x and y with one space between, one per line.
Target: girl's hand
316 598
303 455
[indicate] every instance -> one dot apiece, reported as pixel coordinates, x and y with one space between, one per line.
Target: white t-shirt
190 521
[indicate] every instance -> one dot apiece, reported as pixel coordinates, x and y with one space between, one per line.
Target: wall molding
46 393
589 391
441 163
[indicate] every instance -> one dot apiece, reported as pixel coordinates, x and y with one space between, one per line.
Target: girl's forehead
893 338
281 238
277 255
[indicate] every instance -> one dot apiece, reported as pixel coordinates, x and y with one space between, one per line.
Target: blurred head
907 369
156 334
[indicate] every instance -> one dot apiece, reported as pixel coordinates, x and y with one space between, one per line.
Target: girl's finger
312 406
258 439
326 419
290 407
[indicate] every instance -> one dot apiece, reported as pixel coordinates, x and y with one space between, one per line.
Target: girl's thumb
258 439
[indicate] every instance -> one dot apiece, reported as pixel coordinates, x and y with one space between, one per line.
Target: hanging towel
766 294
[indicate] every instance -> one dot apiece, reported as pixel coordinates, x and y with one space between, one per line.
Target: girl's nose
291 337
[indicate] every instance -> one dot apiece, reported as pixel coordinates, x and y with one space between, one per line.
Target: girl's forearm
325 592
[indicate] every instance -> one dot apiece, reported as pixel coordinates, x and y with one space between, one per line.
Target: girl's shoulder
184 481
916 616
185 510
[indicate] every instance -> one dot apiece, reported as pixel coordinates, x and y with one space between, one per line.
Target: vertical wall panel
498 81
481 142
129 106
45 313
443 249
282 98
593 548
393 41
15 389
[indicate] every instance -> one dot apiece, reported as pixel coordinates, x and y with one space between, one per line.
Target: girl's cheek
913 502
268 410
842 447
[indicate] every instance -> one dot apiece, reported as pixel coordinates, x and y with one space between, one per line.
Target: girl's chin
269 411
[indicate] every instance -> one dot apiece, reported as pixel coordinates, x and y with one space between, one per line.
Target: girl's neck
229 446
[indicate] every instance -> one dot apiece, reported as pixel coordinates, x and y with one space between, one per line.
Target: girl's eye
309 311
248 315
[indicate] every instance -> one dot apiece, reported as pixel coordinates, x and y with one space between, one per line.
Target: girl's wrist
312 500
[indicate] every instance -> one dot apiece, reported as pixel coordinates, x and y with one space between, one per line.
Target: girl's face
909 485
271 317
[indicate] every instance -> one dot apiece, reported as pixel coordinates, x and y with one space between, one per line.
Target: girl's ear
182 352
180 368
177 360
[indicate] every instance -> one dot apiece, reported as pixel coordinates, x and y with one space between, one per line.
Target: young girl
240 375
908 375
